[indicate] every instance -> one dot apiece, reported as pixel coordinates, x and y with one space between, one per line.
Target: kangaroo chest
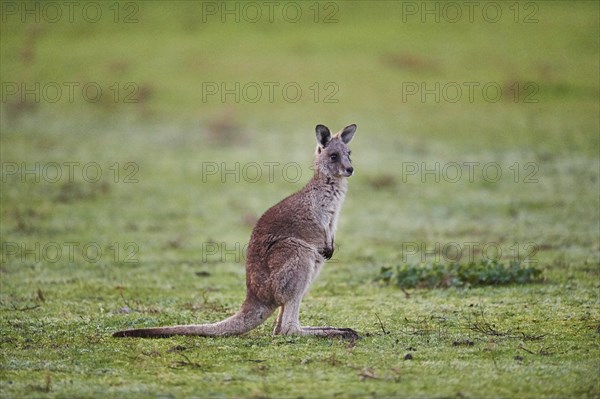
327 202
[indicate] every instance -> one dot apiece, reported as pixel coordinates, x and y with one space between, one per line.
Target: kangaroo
287 249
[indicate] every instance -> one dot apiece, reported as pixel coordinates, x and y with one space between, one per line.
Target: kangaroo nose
350 170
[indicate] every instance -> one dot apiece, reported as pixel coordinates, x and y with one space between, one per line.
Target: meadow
140 141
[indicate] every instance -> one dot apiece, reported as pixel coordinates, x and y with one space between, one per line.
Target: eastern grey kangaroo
288 246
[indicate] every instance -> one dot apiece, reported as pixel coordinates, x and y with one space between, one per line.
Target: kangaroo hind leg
293 282
290 325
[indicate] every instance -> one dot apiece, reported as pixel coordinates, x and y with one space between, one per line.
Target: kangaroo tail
250 316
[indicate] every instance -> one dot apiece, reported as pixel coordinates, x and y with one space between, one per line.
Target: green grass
155 220
474 274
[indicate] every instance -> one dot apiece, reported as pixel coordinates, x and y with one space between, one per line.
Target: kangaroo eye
334 157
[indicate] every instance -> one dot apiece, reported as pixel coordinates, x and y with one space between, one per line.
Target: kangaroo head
333 155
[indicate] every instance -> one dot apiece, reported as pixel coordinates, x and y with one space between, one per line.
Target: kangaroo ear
323 135
347 133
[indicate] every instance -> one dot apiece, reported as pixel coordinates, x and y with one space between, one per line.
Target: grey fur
288 247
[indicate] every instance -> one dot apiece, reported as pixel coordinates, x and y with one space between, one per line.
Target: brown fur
287 249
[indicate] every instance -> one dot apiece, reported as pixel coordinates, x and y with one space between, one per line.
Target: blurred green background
368 51
188 85
174 86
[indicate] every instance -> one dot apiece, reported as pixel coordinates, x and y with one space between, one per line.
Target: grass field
478 138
